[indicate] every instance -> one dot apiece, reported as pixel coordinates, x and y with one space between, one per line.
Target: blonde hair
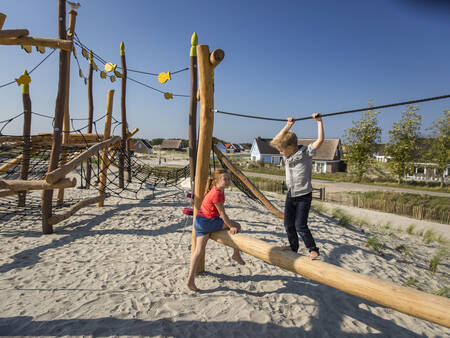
215 177
284 140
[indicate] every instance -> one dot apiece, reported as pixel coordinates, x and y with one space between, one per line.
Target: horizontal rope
338 113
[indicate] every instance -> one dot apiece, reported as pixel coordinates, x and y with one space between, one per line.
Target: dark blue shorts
204 226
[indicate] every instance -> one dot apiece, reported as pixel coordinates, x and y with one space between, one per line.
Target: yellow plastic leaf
168 96
40 49
163 77
94 66
23 79
118 74
102 74
112 78
85 53
27 48
110 67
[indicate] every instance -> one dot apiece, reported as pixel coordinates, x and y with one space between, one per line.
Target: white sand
120 270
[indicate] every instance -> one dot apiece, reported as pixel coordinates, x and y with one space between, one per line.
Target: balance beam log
22 185
66 45
13 33
62 171
73 209
412 302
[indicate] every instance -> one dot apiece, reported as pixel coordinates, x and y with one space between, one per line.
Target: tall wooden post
25 165
123 143
192 133
66 123
90 116
104 161
206 65
47 195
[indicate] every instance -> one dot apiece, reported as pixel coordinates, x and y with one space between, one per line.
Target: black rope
341 112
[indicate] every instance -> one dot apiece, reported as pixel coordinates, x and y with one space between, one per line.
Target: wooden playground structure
407 300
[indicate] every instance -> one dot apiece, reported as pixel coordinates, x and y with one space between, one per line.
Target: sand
120 271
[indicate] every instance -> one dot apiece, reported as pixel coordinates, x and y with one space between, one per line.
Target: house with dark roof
326 160
171 145
142 146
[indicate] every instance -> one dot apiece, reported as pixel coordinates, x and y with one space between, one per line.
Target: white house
142 146
262 150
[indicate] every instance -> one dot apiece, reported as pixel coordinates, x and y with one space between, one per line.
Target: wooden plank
62 44
407 300
13 33
192 131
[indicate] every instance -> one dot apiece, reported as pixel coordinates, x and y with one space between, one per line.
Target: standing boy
298 162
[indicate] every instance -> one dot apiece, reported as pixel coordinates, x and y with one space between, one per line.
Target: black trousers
296 211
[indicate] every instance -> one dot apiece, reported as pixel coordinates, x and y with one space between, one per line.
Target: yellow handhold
110 67
122 49
168 96
194 43
85 53
94 66
163 77
40 49
27 48
112 78
24 80
118 74
91 57
103 74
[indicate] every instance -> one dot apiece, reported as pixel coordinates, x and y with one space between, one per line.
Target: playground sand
120 271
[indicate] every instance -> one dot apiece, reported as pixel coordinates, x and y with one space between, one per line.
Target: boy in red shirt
212 217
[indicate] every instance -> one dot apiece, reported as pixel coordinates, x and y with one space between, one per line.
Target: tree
439 144
403 141
360 142
157 141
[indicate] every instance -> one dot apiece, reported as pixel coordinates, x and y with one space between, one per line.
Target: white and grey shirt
298 171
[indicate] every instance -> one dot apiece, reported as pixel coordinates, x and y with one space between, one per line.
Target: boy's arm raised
320 134
290 122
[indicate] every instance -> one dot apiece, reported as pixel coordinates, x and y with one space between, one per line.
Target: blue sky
282 58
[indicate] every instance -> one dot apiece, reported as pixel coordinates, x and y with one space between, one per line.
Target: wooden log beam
75 137
13 33
60 172
192 130
274 210
73 209
14 161
24 185
65 45
412 302
6 193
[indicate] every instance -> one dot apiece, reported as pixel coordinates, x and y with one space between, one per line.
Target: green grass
444 292
343 219
410 229
438 258
375 244
413 282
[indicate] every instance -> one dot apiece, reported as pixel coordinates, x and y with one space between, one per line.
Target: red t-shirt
208 209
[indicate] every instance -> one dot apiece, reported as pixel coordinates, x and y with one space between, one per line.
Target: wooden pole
25 165
47 195
104 158
2 19
66 121
124 142
64 45
248 184
192 132
206 65
412 302
90 115
24 185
